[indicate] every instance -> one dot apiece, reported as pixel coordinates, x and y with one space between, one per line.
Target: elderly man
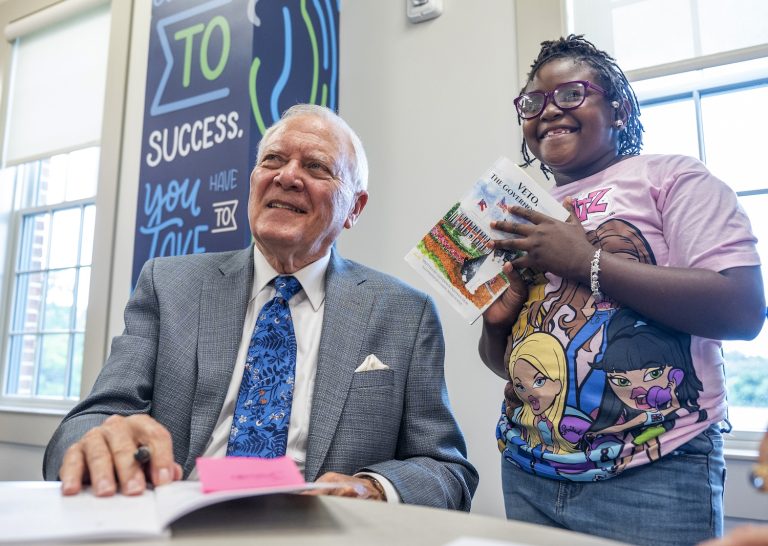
280 348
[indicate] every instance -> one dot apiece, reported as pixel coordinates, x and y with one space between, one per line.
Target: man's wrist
376 485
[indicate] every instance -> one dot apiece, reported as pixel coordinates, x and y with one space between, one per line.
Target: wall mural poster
220 72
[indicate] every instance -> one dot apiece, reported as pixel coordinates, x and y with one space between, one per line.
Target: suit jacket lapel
223 303
348 305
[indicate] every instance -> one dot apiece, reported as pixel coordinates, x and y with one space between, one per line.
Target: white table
298 519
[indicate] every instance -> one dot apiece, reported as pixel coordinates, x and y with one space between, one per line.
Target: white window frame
33 424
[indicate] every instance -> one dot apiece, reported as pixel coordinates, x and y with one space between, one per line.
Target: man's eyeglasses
566 96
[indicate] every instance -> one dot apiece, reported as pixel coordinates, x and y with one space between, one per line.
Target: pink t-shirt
619 390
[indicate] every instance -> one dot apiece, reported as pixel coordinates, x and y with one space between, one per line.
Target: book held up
455 257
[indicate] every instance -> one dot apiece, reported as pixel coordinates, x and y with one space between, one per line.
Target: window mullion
746 193
39 336
73 309
68 364
15 312
39 209
6 319
695 28
43 297
699 125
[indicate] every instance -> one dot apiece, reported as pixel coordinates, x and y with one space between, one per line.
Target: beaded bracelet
594 278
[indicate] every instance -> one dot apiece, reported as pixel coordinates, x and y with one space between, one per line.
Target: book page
454 256
38 512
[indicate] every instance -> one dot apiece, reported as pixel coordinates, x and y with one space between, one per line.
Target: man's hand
349 486
106 452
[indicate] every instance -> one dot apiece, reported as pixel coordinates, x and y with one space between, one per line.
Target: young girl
653 474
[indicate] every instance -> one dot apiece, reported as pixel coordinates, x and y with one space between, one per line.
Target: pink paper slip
230 473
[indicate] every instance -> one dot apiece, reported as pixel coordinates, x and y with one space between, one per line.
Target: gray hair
355 166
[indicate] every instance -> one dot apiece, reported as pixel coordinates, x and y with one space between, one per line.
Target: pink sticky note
228 473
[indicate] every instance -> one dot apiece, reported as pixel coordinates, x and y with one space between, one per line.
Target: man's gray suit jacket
175 358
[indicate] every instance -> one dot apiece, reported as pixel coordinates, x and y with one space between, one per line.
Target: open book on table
38 512
454 256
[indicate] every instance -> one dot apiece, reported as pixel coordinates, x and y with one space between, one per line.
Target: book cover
454 256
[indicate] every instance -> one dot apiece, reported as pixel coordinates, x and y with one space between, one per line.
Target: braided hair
611 78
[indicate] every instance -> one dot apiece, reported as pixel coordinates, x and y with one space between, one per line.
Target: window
704 121
51 165
54 218
648 33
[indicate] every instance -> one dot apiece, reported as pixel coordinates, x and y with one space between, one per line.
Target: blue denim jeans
677 500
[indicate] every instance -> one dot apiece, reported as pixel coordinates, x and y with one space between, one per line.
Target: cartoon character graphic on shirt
650 382
538 370
535 401
588 448
570 309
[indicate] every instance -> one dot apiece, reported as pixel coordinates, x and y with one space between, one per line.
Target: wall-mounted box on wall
423 10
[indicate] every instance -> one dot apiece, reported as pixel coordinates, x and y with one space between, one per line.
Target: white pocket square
371 363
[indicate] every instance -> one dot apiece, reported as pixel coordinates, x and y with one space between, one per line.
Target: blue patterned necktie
263 410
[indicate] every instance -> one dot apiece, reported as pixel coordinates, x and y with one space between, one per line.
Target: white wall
432 103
